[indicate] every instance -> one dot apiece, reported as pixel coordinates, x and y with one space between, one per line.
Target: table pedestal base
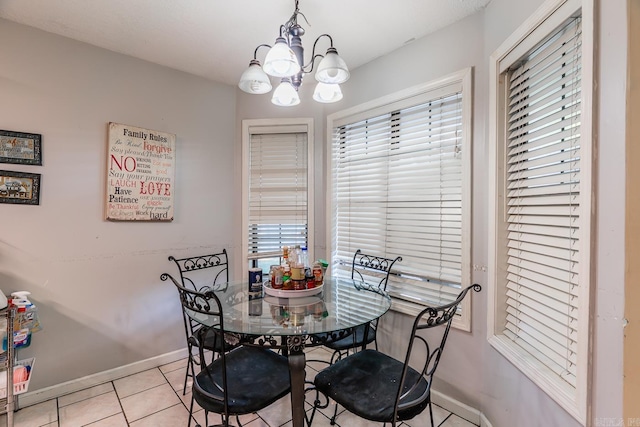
296 370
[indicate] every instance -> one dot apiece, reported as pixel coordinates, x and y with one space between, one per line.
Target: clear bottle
304 257
295 257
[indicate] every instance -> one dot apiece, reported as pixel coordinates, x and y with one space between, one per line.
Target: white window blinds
398 185
278 192
543 166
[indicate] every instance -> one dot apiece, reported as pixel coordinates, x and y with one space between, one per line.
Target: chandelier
285 60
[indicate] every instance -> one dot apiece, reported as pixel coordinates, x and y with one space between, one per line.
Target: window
540 242
400 186
277 198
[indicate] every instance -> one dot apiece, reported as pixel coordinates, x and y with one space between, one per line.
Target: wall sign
140 174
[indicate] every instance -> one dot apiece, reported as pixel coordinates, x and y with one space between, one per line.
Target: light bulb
280 67
285 95
280 60
332 68
327 92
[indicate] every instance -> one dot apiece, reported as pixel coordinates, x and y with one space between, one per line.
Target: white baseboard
47 393
484 422
464 411
31 398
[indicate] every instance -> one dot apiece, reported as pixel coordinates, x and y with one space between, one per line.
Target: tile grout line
151 388
177 392
57 412
115 390
445 420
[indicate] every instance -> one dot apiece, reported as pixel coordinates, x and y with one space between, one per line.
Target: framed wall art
140 174
20 148
19 187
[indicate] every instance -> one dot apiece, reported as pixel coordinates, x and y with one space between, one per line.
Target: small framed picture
19 187
20 148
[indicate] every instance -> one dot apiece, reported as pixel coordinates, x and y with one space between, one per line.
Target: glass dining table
293 320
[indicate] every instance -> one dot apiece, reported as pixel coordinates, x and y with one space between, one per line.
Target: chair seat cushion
212 340
256 377
366 384
356 339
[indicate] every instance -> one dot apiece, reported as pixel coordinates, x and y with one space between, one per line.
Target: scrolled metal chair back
202 272
368 268
203 302
428 318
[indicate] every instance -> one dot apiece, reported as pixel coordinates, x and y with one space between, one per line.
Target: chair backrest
205 303
199 274
203 272
198 301
428 356
372 269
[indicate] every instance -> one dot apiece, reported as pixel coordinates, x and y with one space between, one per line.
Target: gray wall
96 283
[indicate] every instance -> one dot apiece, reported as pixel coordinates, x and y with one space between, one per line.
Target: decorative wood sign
140 174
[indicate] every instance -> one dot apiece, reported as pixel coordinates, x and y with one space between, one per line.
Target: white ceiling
216 39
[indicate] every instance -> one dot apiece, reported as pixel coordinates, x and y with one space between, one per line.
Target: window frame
552 15
387 104
264 126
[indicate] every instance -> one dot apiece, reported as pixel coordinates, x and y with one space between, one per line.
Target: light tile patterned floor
154 398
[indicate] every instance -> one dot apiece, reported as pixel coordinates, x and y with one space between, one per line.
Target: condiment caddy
295 274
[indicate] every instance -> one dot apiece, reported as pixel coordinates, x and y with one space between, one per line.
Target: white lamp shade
281 61
285 95
254 80
332 68
327 93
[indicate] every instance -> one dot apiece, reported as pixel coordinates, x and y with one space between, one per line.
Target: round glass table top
339 304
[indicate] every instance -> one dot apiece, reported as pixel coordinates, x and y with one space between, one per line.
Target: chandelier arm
255 52
308 68
318 39
284 31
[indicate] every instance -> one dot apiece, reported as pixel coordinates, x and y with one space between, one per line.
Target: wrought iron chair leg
191 370
316 404
186 374
339 354
335 414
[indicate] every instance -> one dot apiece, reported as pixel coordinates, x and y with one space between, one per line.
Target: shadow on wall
71 345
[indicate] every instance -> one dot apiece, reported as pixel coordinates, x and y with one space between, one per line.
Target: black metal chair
200 273
370 269
242 379
377 387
